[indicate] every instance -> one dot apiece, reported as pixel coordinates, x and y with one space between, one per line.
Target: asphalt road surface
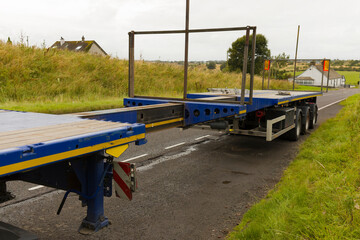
193 184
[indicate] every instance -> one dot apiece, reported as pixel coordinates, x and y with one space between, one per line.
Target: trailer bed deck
29 140
263 98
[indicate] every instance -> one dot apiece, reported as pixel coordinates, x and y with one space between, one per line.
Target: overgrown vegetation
318 196
55 81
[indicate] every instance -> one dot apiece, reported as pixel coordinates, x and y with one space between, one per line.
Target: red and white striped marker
125 179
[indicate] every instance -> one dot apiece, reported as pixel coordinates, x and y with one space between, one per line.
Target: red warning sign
326 65
267 65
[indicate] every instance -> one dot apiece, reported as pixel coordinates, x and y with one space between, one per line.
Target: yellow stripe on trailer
283 102
296 99
64 155
242 112
150 125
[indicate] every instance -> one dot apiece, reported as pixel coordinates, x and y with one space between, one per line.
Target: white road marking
331 104
202 137
175 145
167 158
133 158
36 187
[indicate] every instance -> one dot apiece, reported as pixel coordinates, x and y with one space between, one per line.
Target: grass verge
318 196
310 88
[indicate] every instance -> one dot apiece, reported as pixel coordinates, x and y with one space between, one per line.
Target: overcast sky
328 28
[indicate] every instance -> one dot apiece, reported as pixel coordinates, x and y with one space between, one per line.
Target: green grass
350 77
55 81
318 196
63 107
309 88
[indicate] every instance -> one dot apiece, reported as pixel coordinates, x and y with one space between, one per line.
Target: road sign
267 65
326 65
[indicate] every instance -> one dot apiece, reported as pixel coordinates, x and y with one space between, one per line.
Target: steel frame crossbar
187 31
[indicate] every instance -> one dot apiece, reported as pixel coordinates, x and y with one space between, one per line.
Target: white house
89 46
312 76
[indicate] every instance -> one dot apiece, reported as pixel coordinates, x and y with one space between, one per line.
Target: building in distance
313 75
88 46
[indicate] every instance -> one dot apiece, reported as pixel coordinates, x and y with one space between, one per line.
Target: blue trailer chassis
79 164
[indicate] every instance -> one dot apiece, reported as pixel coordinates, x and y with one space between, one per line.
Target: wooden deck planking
52 135
53 128
49 133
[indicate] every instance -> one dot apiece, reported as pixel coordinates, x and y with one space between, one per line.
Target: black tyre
294 134
313 115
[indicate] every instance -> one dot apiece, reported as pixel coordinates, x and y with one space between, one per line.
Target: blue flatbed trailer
76 152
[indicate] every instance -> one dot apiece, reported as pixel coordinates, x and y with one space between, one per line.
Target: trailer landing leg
95 219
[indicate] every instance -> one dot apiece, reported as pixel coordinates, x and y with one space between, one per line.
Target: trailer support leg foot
95 219
88 228
4 194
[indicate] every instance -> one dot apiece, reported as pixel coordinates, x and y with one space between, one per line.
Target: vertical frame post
263 77
328 78
268 85
246 52
297 44
322 76
186 60
253 45
131 64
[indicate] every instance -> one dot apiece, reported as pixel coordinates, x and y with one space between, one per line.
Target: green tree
278 65
9 41
236 53
211 65
280 60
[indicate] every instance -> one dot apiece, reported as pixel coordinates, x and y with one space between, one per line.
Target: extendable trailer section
79 153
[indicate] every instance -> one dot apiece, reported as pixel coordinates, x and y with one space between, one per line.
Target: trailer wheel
306 120
313 115
294 134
